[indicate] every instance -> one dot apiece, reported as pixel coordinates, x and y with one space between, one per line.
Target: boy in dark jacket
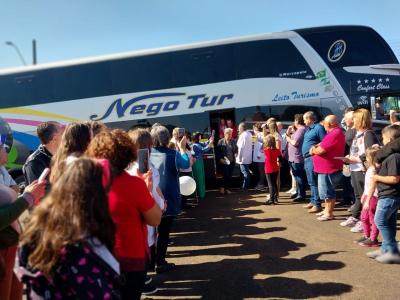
388 180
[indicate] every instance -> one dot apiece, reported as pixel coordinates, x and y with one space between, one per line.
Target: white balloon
187 185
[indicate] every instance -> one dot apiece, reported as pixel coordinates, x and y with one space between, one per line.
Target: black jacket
36 163
392 147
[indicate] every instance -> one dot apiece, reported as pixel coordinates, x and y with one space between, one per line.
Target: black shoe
293 196
298 199
361 239
276 201
269 202
149 289
148 280
164 267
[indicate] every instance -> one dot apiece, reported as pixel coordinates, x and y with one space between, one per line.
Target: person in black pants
225 158
272 155
363 139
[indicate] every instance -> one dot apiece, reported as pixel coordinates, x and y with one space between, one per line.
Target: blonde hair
370 155
362 119
270 142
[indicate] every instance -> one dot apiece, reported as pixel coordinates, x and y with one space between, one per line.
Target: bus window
381 106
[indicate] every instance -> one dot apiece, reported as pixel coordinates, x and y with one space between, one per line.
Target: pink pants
10 286
367 219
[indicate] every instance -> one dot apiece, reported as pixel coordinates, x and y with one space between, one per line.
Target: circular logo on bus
336 51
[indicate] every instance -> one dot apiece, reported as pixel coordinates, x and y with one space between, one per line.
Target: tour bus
324 69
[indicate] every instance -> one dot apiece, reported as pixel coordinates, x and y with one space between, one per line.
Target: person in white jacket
245 153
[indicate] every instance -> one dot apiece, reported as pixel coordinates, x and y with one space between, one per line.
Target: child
272 155
369 200
388 180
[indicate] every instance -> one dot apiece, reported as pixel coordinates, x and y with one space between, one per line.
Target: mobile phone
181 132
143 160
213 133
44 175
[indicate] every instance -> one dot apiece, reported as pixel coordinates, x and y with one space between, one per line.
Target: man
328 166
245 153
350 133
294 137
49 134
5 177
313 136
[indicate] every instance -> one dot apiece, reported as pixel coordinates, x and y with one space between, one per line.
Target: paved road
235 247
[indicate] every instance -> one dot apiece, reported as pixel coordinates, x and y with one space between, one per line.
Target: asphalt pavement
236 247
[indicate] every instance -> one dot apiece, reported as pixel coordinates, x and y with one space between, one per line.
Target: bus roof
137 53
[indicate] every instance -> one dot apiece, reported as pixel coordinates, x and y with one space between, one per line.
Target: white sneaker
350 221
389 258
358 228
291 191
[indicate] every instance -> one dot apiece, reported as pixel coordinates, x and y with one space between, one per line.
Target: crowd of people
326 156
98 223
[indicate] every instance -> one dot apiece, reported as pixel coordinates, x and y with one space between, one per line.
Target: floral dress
80 274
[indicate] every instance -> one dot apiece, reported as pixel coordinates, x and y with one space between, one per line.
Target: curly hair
74 140
96 127
76 208
116 146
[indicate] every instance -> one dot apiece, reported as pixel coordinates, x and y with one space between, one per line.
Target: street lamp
16 49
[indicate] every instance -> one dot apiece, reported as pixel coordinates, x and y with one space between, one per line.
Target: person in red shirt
131 208
328 164
231 125
272 155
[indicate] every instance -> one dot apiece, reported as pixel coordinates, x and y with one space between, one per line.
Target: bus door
385 109
210 165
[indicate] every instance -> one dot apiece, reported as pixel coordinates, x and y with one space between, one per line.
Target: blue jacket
199 149
168 162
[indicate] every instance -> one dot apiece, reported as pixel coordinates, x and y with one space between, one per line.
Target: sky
82 28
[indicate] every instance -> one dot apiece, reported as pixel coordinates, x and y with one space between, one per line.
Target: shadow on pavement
230 254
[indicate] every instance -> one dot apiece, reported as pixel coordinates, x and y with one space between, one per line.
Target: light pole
16 49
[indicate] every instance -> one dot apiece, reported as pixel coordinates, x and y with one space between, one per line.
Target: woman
74 141
274 131
221 128
131 208
363 139
168 162
11 208
141 138
225 158
67 246
198 167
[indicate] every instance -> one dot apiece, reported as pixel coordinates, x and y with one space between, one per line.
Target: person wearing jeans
328 167
386 221
294 137
245 153
313 136
388 179
298 173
